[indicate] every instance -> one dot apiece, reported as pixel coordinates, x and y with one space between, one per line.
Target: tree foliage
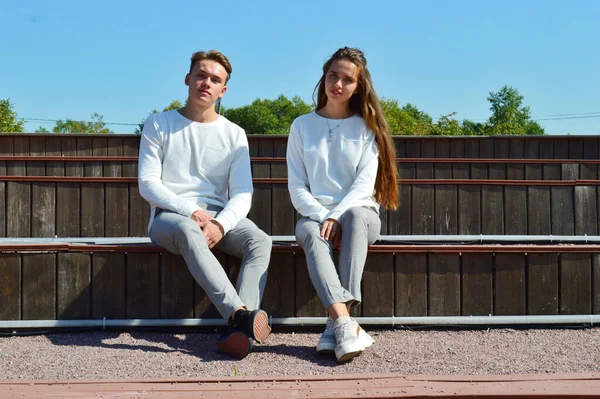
9 121
509 115
95 125
268 116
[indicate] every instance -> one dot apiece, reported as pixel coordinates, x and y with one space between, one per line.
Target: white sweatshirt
327 176
185 166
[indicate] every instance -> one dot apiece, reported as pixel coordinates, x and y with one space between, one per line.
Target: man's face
206 83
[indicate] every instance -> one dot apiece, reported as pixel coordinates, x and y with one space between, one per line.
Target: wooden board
74 286
143 298
542 284
378 285
108 286
68 195
39 286
117 194
278 300
509 285
476 291
177 288
10 283
444 285
308 303
410 284
575 283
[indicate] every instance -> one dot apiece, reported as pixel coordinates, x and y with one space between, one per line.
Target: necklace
331 129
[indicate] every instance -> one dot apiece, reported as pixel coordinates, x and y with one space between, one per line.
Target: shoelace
341 331
329 325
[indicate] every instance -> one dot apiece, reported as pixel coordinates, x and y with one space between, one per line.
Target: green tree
42 129
95 125
406 120
9 121
268 116
471 128
509 115
175 104
446 125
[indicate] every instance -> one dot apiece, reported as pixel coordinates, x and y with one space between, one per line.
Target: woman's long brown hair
366 103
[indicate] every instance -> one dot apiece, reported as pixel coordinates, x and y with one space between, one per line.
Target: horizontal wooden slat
268 180
377 248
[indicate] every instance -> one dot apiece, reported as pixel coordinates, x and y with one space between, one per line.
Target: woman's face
341 81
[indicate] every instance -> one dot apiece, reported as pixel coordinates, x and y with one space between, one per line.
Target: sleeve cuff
224 221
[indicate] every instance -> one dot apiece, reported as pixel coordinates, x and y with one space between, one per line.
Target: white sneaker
327 340
346 331
365 339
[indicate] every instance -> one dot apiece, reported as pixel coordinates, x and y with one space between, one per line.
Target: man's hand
332 232
213 232
201 217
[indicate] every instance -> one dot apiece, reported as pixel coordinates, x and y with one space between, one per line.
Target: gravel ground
111 355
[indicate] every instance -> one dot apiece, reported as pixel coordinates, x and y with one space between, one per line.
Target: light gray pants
360 228
181 235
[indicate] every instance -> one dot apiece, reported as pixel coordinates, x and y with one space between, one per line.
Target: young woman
341 167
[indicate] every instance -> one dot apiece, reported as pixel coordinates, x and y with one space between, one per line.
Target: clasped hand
332 232
213 231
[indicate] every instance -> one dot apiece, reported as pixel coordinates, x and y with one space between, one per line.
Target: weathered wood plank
284 214
92 194
74 286
476 293
446 196
308 303
18 194
68 195
117 195
444 285
492 197
423 194
108 286
10 287
575 283
411 284
143 299
509 285
469 196
177 288
278 300
6 149
542 284
39 286
378 285
203 307
515 197
400 221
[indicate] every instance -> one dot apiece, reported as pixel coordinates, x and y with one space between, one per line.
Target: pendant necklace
331 129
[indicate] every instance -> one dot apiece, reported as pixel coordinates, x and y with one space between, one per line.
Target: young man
194 170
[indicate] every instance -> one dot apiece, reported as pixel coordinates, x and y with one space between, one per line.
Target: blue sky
68 59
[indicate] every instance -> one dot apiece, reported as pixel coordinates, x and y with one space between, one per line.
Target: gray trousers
181 235
360 228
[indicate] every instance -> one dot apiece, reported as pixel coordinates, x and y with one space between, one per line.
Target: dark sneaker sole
260 327
237 344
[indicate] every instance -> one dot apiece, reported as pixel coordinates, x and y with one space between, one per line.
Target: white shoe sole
326 347
348 351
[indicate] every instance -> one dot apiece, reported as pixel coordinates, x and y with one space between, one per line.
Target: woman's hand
332 232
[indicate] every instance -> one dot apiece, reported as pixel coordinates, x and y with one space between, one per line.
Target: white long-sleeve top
328 175
186 165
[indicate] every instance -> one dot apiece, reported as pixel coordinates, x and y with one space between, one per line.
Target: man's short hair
212 55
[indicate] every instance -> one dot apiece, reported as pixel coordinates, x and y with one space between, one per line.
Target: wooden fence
117 285
86 186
